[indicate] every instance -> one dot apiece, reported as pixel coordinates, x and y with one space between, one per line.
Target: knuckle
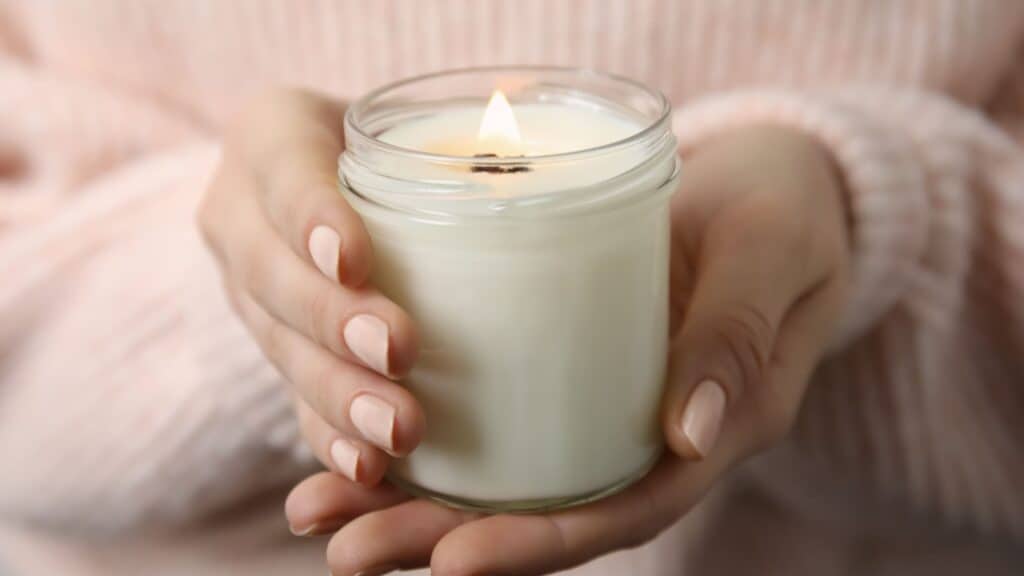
292 201
305 419
297 207
320 394
279 188
275 343
318 311
746 334
280 212
258 262
317 434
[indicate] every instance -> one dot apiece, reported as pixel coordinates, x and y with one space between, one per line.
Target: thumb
726 341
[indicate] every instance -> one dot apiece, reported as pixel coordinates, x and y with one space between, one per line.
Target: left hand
759 266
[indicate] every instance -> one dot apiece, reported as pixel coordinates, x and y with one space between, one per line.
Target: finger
351 457
351 399
541 544
360 325
798 348
459 543
746 281
290 140
810 323
398 537
324 502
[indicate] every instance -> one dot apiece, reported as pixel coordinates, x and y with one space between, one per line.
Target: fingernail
346 457
378 570
375 419
702 419
317 528
308 531
325 248
367 337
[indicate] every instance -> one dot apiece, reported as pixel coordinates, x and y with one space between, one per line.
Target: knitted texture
132 401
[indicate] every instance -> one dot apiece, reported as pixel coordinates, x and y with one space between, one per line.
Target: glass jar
539 283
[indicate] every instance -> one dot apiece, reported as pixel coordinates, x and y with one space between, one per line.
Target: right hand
759 269
295 260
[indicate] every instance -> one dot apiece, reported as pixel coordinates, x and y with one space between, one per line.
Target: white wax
543 339
544 129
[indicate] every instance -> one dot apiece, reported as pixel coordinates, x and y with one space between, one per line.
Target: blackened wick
494 169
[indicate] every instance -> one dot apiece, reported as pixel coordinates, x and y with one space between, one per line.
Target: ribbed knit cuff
883 177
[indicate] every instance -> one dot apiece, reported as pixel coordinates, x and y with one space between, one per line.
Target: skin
759 270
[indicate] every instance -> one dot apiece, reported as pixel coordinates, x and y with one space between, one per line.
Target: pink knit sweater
141 431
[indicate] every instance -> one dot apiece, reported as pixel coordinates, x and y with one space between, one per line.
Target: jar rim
361 105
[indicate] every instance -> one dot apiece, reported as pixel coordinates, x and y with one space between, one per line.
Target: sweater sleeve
129 392
921 396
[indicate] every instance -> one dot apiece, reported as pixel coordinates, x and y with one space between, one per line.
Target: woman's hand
295 259
759 264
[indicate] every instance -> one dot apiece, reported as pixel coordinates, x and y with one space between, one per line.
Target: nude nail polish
375 419
345 456
367 337
317 528
307 531
702 418
378 570
325 249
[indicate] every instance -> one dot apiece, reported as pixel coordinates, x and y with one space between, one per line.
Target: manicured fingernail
702 418
307 531
367 337
375 419
317 528
325 248
378 570
346 457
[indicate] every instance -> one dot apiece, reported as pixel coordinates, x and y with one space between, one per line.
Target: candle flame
499 124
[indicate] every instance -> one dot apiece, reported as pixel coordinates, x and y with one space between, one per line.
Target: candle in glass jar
529 241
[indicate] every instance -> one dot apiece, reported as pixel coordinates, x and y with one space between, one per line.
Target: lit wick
493 169
499 131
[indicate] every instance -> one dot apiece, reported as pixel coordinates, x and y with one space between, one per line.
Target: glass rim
361 105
